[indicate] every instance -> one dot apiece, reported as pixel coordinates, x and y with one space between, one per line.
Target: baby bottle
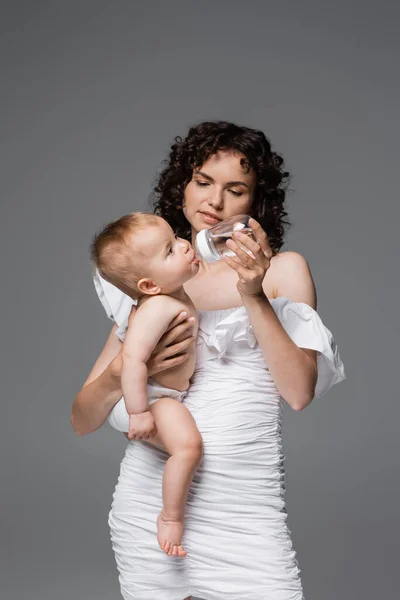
211 243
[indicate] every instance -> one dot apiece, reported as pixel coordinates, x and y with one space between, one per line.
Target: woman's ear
148 287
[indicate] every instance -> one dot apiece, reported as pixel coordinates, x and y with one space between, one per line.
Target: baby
141 256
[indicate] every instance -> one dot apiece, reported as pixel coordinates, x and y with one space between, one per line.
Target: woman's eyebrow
237 183
202 174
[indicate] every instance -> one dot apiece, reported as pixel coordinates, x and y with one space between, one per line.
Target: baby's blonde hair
112 255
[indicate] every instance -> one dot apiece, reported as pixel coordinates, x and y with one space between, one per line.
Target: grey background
92 95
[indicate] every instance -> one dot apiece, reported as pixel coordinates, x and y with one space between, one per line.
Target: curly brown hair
205 140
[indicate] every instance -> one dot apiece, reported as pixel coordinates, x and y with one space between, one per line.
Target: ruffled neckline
223 327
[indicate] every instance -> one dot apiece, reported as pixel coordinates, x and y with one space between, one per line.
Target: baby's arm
143 333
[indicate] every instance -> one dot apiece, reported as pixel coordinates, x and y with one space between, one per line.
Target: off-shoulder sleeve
116 304
306 329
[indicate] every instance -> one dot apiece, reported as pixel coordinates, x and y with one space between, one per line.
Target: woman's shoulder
288 260
290 276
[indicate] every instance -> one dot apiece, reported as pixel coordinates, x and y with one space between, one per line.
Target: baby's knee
193 446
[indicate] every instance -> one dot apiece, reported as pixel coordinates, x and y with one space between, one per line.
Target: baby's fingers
130 434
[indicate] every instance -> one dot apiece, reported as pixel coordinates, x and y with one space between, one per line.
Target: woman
260 340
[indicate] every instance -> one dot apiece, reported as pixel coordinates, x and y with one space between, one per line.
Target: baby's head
140 255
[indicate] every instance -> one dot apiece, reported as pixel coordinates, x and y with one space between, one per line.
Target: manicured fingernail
192 320
183 314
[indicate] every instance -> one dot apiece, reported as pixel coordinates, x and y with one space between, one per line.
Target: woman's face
219 189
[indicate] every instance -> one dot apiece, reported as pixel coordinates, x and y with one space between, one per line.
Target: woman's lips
209 218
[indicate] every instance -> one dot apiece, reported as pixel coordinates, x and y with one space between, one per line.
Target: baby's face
169 261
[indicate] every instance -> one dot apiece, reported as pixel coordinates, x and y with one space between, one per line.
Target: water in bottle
211 243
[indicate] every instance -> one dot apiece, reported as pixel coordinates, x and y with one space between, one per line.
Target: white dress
236 536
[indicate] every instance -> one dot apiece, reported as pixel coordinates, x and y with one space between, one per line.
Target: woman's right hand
168 353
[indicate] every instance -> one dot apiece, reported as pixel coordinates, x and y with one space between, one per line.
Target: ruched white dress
236 536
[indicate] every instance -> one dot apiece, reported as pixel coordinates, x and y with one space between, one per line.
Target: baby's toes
167 547
181 551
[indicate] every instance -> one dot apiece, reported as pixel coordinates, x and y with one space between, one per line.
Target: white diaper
119 418
155 392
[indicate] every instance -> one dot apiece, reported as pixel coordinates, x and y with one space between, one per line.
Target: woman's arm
102 389
293 369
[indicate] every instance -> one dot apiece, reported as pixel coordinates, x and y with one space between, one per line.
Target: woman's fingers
168 363
257 250
181 318
156 365
237 265
169 353
177 331
175 349
261 237
247 242
244 257
260 246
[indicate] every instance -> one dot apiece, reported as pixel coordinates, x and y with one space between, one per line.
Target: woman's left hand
252 267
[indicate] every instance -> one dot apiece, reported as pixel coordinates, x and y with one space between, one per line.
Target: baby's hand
141 426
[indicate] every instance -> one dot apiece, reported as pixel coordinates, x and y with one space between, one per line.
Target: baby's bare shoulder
161 304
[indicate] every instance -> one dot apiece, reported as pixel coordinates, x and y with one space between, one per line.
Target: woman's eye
202 183
236 193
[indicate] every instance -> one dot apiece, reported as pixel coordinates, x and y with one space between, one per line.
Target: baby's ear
148 287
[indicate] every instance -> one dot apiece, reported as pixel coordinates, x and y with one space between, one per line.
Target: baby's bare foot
170 535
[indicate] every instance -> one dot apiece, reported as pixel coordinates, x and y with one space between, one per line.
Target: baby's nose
186 246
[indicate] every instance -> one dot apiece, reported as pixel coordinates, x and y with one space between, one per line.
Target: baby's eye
171 250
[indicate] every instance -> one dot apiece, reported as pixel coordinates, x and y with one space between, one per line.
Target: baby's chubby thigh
176 429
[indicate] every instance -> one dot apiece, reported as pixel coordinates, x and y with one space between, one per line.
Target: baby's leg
177 432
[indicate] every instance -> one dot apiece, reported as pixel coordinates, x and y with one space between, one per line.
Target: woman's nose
216 199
